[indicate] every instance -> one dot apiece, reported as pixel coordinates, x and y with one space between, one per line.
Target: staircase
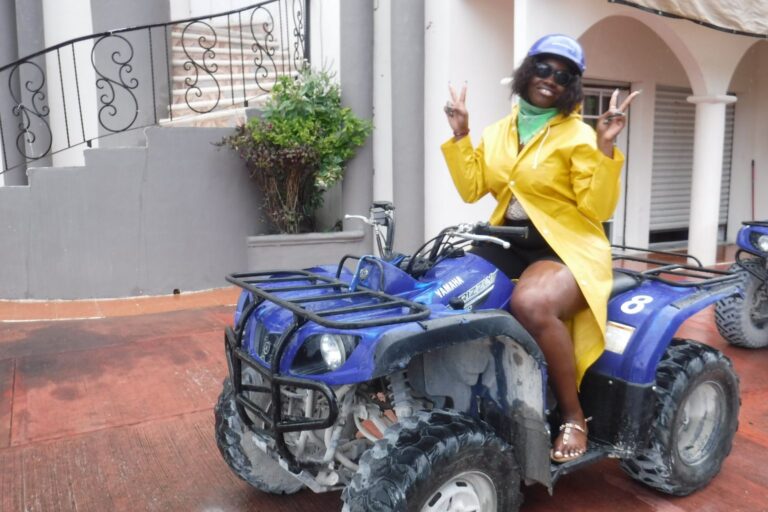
201 72
218 69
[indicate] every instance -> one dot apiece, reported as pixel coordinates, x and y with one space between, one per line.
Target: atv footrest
595 453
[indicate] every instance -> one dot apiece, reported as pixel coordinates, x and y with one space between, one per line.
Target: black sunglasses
544 70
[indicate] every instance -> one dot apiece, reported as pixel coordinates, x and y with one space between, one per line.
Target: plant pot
291 252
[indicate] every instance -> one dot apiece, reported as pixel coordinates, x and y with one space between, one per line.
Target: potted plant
297 148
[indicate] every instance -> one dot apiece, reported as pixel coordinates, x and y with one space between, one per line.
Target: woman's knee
531 307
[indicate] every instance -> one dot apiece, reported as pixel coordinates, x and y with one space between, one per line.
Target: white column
180 9
639 165
707 172
383 187
522 37
64 21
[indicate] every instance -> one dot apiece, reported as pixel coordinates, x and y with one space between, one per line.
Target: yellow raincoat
567 186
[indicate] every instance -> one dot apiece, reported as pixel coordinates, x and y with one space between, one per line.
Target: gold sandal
567 429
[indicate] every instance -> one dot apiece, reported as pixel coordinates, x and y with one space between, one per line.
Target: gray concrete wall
31 39
115 14
407 42
356 79
8 54
133 221
29 16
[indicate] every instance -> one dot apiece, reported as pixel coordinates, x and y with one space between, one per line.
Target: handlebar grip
384 205
519 231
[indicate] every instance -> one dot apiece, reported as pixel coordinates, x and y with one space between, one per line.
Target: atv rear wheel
436 461
697 412
236 445
744 321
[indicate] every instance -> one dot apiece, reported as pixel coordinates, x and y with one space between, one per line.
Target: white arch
676 44
709 57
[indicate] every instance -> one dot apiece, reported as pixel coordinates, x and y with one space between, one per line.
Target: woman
550 171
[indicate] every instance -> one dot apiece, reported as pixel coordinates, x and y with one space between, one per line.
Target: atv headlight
332 350
759 241
323 353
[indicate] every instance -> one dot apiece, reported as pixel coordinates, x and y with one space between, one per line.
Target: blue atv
404 381
743 319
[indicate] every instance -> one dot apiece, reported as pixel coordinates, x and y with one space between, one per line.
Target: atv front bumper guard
276 425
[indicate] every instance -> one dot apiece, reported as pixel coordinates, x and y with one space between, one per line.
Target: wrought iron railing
109 83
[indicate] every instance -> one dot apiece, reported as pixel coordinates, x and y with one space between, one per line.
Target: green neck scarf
531 119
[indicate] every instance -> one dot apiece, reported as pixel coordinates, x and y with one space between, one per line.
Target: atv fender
485 364
398 346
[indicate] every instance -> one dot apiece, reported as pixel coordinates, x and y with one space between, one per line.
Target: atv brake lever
483 238
360 217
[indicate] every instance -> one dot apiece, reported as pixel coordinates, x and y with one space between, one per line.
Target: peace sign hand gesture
456 111
610 124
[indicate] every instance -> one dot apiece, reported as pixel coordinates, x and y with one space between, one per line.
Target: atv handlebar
381 216
484 232
481 238
483 228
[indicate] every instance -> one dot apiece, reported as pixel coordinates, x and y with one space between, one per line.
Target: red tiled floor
23 311
116 414
7 368
74 392
163 465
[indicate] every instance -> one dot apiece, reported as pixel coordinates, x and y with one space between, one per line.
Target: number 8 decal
636 304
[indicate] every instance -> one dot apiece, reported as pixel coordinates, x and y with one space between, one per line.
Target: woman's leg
545 296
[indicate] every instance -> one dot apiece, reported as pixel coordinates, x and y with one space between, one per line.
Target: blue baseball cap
562 46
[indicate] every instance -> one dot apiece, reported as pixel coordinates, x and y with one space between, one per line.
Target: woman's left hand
610 124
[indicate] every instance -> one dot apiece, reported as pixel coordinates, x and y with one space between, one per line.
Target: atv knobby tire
697 410
431 457
733 314
236 445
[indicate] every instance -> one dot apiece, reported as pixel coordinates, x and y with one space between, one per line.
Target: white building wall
181 9
750 83
325 40
623 49
472 42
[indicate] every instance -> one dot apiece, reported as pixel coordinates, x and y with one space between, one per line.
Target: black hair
573 94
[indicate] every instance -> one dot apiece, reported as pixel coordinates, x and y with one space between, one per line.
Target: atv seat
624 280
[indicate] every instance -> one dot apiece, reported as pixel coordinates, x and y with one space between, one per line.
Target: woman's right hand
456 110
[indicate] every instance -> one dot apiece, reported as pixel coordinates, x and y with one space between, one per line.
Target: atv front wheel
235 442
697 412
436 461
744 321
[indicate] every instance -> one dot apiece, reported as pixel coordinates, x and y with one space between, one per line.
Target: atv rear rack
674 274
261 284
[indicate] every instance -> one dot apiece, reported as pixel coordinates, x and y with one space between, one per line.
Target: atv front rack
262 285
305 290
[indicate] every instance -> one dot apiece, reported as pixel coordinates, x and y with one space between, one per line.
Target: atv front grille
276 423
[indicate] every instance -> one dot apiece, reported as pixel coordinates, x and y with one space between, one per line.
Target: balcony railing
109 83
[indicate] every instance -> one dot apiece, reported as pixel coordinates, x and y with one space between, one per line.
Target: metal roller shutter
673 161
